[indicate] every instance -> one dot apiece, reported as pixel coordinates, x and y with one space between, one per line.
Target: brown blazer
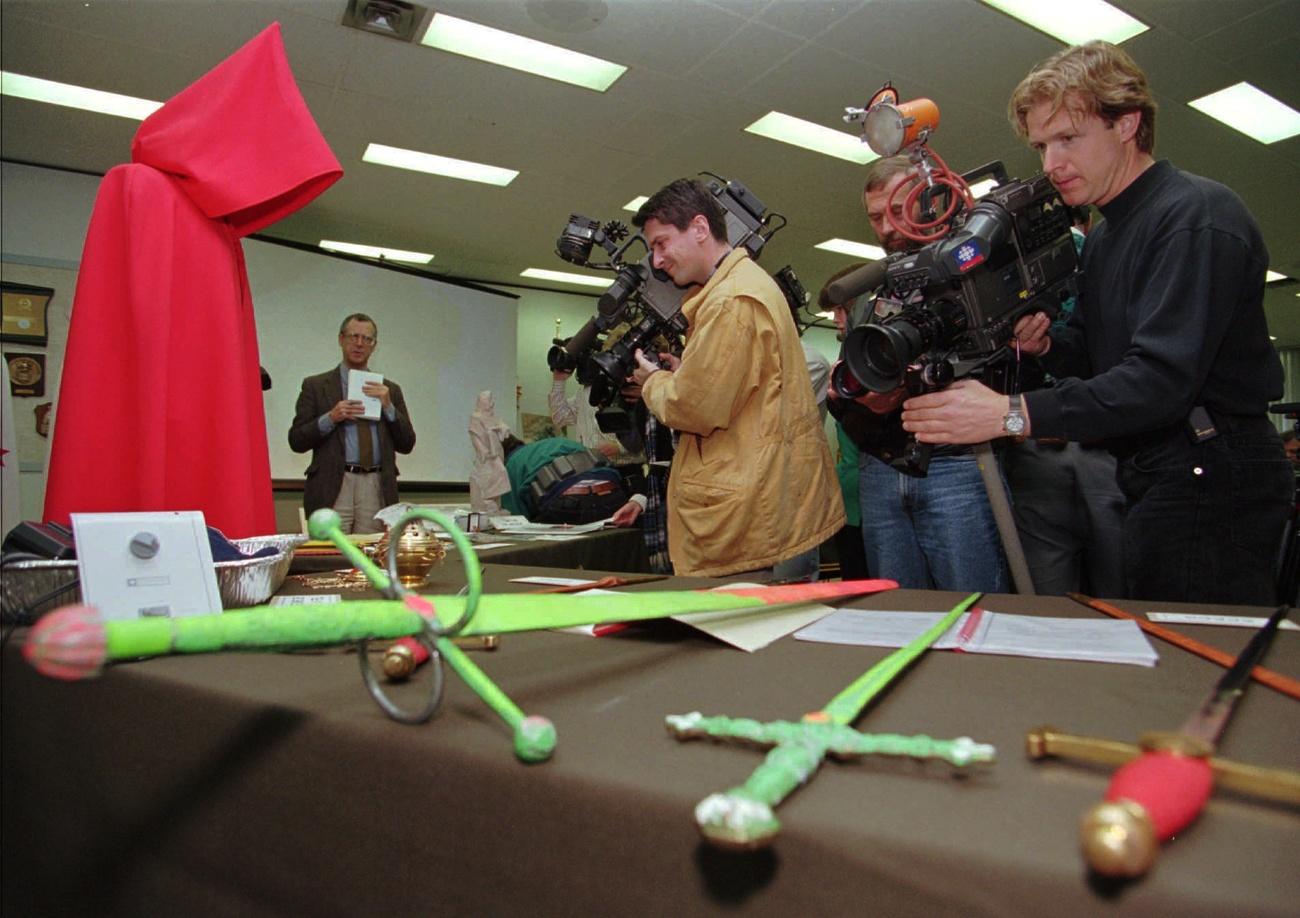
319 394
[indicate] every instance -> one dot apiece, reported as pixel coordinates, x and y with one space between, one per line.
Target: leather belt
361 469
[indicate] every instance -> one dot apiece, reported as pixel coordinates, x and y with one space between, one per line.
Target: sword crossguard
1159 789
742 818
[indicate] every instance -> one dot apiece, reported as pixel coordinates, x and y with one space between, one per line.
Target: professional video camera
642 296
946 310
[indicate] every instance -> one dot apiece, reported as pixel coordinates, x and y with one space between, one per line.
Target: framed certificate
24 311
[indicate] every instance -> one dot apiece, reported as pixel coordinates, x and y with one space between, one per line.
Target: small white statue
489 480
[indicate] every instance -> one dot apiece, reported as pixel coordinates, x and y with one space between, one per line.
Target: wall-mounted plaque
24 310
26 374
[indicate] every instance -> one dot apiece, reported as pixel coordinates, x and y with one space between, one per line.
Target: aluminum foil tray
242 583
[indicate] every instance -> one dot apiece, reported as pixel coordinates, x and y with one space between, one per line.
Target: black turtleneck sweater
1170 315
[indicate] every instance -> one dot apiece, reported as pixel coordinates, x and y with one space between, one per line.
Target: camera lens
619 292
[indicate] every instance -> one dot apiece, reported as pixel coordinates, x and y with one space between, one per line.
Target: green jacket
523 465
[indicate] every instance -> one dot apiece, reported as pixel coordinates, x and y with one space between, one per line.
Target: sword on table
75 642
1164 784
742 818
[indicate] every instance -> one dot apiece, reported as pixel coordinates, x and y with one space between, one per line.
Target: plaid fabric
654 521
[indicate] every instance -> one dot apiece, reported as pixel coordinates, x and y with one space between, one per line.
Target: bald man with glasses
353 464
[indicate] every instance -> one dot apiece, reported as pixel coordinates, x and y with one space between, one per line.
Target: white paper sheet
371 405
1100 641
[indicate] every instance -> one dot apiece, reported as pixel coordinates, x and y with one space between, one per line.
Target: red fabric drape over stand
160 405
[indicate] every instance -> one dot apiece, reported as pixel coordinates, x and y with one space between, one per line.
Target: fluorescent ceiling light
981 188
1270 276
438 165
372 251
1075 22
460 36
1253 112
91 100
847 247
565 277
810 136
825 315
635 204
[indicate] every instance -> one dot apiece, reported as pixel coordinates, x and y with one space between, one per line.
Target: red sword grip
1150 800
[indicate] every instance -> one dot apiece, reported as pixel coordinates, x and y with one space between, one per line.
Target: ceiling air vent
393 18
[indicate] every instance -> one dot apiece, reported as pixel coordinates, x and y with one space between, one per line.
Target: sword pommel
1118 839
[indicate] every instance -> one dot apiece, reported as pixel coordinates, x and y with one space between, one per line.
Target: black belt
362 469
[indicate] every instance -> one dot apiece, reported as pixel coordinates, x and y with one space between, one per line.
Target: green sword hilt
534 737
743 817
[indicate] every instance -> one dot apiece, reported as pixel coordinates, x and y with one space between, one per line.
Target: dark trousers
1069 514
1205 520
853 557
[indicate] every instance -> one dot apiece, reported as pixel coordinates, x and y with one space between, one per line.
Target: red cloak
160 405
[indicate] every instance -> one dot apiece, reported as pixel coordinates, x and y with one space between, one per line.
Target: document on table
371 405
982 631
748 629
520 526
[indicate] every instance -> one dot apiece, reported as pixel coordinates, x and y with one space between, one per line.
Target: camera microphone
857 282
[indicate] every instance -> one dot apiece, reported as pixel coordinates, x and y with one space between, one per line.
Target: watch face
1014 424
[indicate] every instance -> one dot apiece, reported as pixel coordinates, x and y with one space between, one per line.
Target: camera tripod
1288 579
998 500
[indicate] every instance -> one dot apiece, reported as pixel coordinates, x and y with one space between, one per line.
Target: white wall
442 343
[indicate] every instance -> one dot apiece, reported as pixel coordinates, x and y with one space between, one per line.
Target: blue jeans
936 532
1205 520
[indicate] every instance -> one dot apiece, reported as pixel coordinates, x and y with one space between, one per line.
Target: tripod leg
997 493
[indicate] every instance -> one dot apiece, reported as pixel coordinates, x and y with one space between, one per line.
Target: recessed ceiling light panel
1253 112
460 36
1073 22
384 155
811 136
566 277
372 251
848 247
65 94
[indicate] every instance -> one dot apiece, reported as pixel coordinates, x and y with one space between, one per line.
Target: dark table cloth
264 784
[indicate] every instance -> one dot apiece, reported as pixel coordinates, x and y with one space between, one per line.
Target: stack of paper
981 631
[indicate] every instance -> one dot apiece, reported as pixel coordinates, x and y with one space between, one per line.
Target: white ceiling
698 72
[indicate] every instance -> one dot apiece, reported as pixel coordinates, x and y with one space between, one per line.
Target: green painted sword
75 642
742 818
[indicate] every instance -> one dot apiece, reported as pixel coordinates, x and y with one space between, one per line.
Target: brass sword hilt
1118 838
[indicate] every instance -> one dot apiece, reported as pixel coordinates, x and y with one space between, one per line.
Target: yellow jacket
752 481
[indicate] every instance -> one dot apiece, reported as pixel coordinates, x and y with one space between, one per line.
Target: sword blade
1211 718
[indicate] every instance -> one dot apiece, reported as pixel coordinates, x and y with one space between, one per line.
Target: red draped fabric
160 405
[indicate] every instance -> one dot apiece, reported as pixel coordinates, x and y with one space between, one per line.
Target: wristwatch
1013 422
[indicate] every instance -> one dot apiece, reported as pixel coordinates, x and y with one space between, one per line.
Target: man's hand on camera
965 412
1032 333
644 367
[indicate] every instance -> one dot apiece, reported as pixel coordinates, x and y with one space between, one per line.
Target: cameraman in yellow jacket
752 488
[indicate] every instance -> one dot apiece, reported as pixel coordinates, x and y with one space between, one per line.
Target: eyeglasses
359 339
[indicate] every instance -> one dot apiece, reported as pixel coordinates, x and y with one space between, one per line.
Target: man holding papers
354 422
